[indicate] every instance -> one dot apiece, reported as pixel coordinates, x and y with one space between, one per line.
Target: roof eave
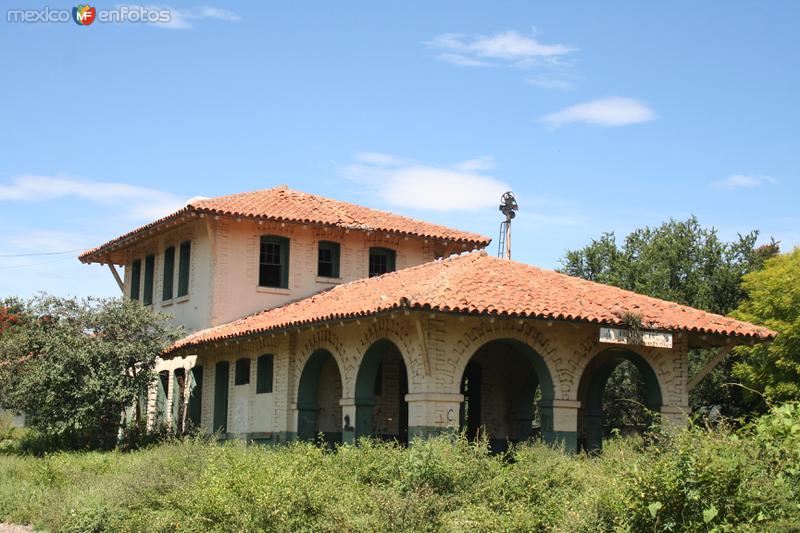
709 339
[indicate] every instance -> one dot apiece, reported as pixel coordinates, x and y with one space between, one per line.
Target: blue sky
601 116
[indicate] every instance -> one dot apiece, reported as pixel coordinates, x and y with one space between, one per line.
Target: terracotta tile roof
476 284
287 205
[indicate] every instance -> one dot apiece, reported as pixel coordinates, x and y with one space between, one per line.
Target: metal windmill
508 207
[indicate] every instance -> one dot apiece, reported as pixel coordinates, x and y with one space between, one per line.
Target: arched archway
318 396
381 388
508 394
592 388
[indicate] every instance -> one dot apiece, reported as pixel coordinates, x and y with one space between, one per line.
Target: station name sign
653 339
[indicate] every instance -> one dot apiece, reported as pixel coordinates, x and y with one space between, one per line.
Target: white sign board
653 339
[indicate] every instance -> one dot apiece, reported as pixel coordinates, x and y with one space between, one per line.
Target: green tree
73 366
773 301
680 261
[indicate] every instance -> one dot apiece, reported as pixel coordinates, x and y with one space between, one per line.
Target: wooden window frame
149 279
284 251
168 283
391 260
184 267
242 371
265 369
335 262
136 279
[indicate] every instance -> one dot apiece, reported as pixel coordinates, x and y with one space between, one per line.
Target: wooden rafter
709 366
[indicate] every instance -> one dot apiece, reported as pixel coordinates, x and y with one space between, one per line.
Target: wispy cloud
135 202
181 19
509 48
416 185
741 181
547 82
608 112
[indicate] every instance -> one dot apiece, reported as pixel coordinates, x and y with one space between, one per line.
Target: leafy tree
73 366
774 302
680 261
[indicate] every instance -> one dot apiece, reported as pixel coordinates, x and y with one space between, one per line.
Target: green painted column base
425 432
566 439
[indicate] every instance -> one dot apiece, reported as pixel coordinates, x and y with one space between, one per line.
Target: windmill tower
508 207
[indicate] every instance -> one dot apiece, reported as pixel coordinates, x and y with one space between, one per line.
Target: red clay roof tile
477 284
287 205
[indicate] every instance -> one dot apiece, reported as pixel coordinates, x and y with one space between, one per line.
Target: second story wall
193 309
236 247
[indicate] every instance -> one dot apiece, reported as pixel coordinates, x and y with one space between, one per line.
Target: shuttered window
169 273
195 395
184 268
264 374
221 372
273 262
136 278
149 274
242 376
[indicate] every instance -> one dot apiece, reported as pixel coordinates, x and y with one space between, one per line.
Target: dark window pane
184 268
328 259
264 374
136 278
169 273
381 261
273 264
149 273
242 376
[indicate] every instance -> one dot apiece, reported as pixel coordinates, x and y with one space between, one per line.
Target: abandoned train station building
309 316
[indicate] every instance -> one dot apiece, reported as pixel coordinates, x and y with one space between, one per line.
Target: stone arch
381 357
508 373
318 394
326 340
512 330
593 378
399 333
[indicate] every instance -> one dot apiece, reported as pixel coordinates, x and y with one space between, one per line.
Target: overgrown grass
695 480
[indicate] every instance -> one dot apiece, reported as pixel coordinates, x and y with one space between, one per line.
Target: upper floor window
242 373
169 273
381 261
273 262
328 259
184 267
149 275
136 278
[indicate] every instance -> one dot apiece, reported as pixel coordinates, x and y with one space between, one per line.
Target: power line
35 264
42 253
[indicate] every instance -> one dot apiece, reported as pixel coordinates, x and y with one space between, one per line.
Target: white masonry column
431 413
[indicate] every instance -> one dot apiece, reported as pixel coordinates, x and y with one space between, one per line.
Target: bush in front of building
74 366
698 479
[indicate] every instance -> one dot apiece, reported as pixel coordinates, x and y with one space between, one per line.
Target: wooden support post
423 343
708 367
116 275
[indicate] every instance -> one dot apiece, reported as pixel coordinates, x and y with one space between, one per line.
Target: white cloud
741 181
509 48
551 83
415 185
135 202
609 112
181 19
